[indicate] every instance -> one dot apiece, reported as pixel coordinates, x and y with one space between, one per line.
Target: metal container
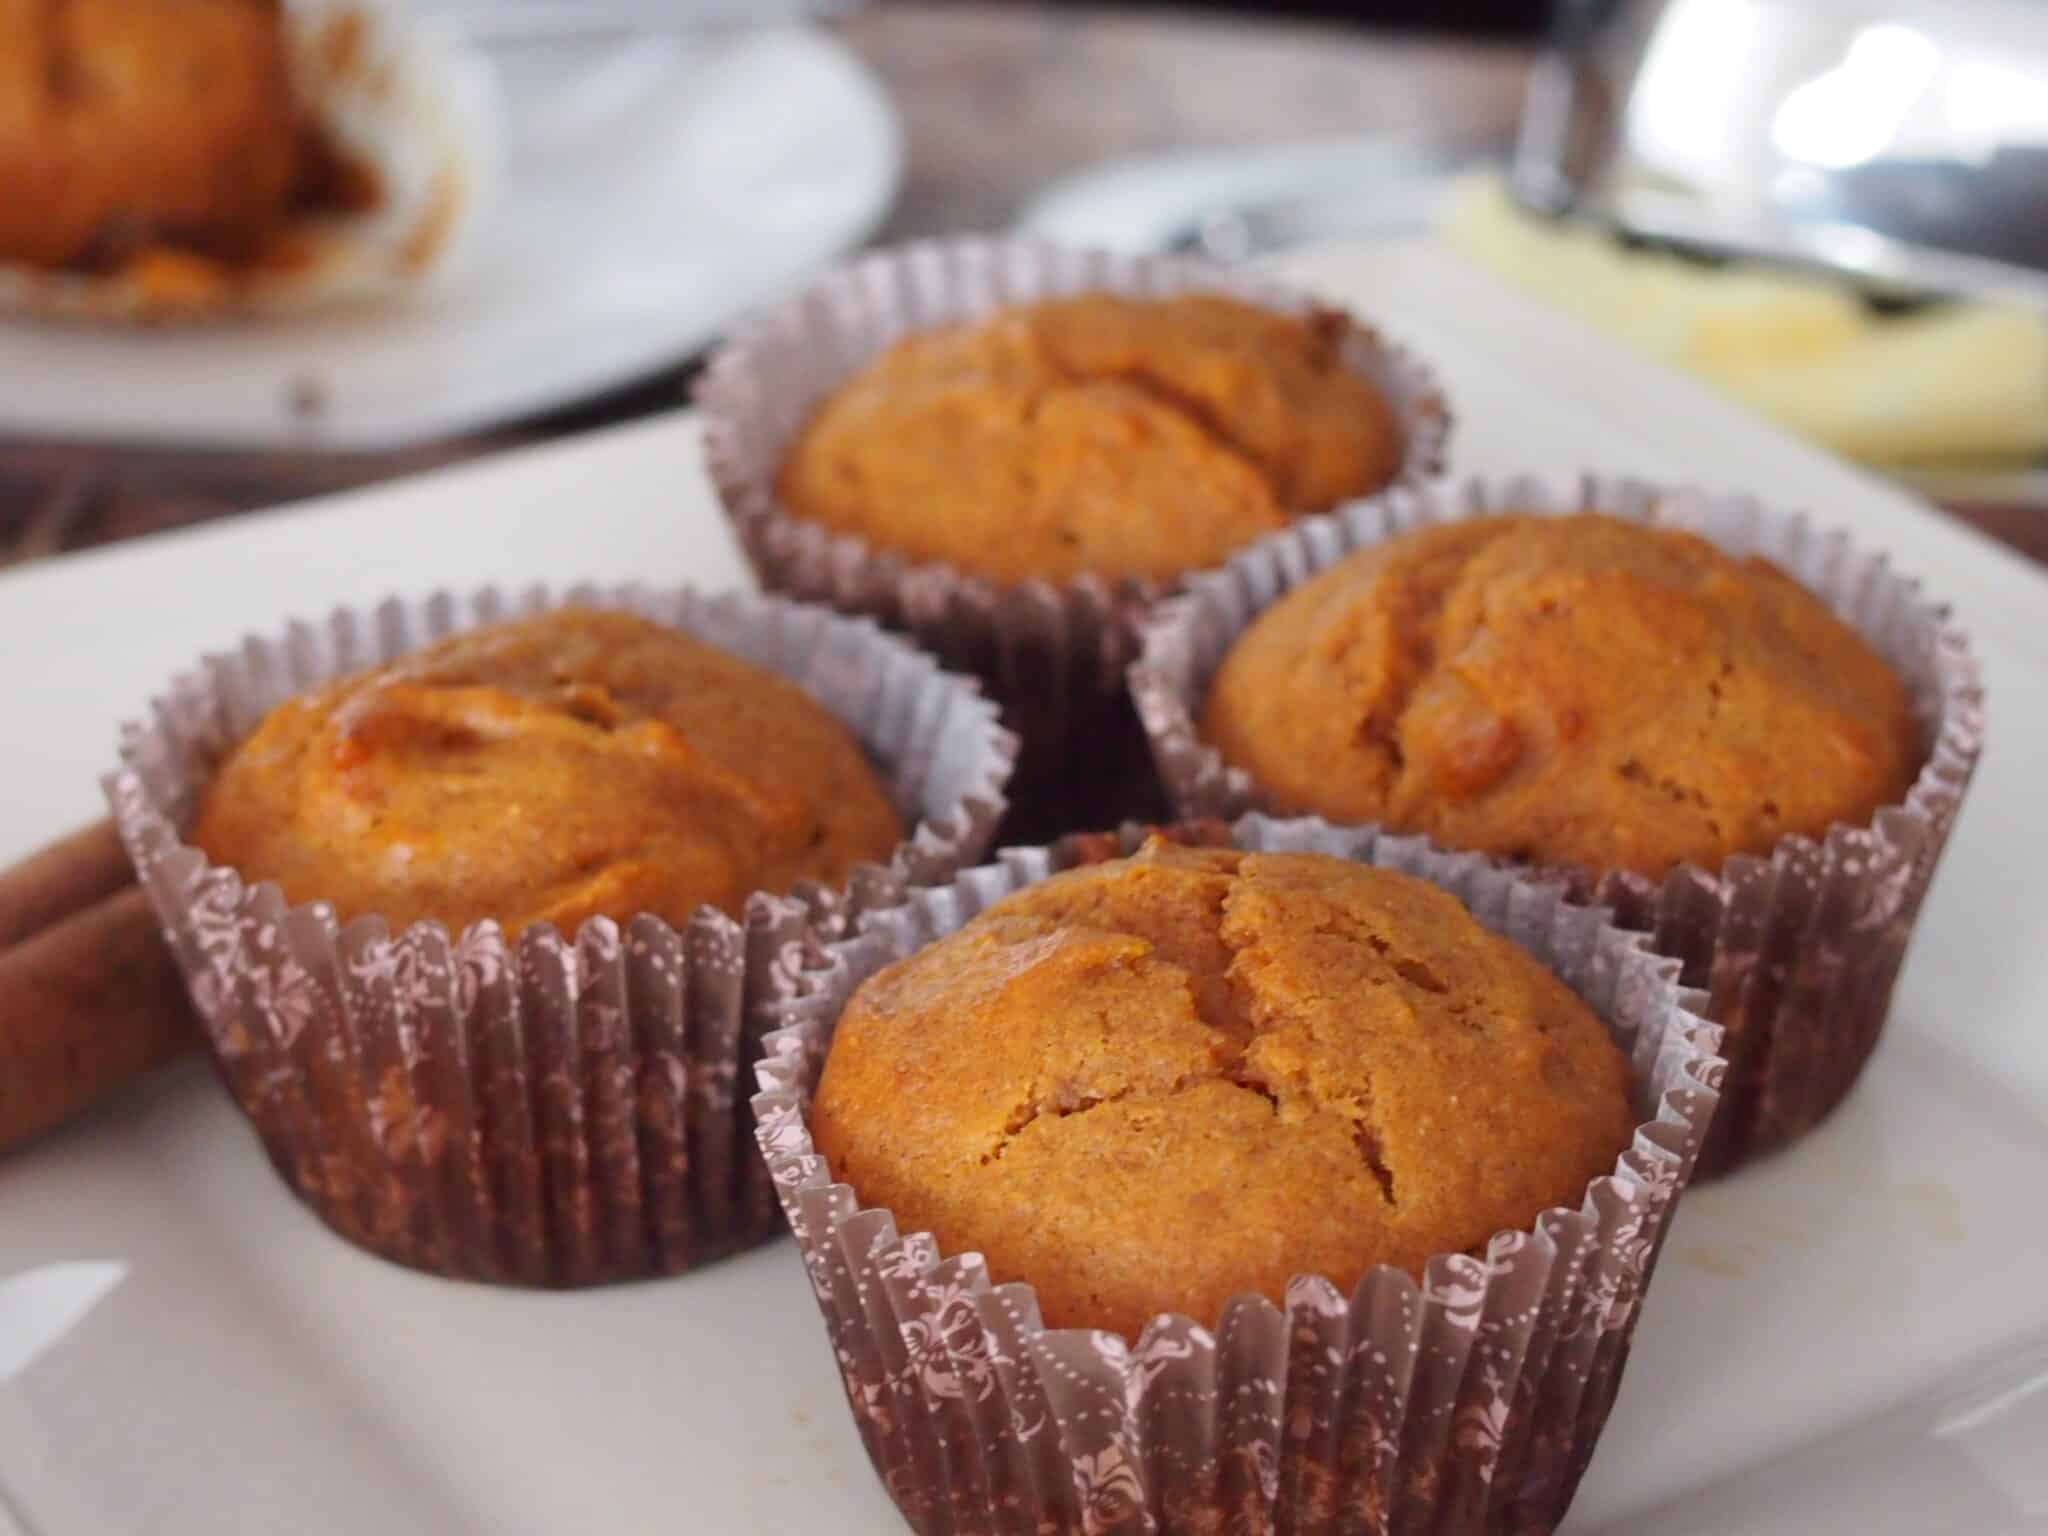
1902 142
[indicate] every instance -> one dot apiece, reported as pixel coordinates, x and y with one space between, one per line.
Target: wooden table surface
997 102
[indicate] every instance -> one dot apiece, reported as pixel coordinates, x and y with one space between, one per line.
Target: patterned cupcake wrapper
1052 654
549 1110
1798 951
1470 1401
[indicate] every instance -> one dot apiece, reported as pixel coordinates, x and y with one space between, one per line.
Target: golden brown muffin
131 121
1584 692
547 770
1129 437
1148 1085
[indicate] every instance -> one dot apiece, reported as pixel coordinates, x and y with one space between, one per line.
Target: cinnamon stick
70 875
87 1005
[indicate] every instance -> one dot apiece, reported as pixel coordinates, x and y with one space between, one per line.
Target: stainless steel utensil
1903 143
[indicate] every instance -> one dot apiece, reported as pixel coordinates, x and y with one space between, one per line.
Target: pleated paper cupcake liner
417 110
1468 1402
1053 654
1799 950
550 1109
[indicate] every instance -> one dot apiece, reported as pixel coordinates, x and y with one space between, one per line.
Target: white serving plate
1852 1337
648 192
1377 187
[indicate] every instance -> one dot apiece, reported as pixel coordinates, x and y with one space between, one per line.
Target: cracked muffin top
1128 437
551 769
1583 692
1149 1085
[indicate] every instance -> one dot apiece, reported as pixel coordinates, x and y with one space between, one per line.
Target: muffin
1162 1081
128 122
1583 692
1739 732
482 936
1010 450
1129 437
580 763
1150 1085
178 161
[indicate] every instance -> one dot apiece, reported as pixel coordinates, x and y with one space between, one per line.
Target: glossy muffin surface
550 769
127 122
1583 691
1149 1085
1128 437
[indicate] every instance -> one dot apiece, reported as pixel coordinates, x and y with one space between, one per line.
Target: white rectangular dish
1851 1337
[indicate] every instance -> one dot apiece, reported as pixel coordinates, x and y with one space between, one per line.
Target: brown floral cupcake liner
1053 654
1798 951
1468 1402
555 1109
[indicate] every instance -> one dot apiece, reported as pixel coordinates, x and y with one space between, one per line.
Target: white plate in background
1849 1338
1374 186
651 190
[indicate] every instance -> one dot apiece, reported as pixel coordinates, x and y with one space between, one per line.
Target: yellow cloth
1963 381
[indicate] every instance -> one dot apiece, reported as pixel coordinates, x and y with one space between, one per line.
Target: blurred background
1831 209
